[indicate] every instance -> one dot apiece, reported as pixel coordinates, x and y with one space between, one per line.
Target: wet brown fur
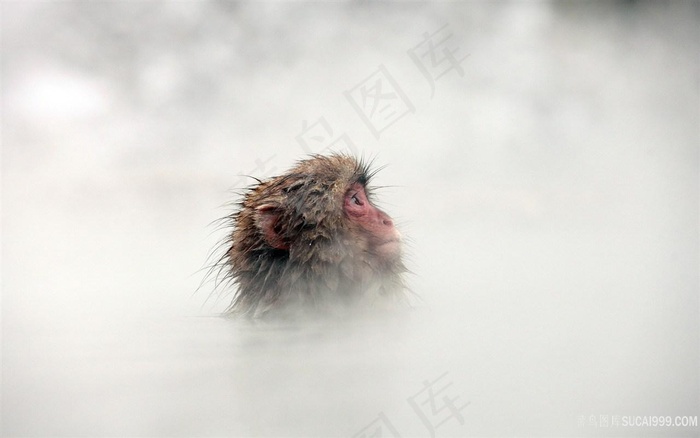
318 259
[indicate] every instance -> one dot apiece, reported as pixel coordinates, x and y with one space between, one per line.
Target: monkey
311 241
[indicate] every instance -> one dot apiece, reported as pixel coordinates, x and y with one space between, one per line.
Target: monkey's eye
356 200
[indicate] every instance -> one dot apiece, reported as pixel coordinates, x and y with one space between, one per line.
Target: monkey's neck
286 287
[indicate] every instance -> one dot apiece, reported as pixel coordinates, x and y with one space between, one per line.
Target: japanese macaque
312 240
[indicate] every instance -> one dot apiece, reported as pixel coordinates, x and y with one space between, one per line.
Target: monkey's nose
384 219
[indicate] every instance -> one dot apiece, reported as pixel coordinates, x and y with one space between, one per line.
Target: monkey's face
310 223
320 213
371 224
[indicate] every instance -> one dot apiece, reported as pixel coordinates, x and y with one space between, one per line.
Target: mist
540 158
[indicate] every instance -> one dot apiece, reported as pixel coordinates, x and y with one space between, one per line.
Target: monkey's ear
268 219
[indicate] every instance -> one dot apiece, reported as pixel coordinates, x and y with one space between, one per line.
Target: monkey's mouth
395 241
389 248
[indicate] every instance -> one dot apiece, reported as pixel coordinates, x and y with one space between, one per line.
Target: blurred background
541 158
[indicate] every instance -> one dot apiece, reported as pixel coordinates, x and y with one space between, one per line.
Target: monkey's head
312 239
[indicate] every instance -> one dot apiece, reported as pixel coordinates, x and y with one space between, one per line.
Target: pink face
383 237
